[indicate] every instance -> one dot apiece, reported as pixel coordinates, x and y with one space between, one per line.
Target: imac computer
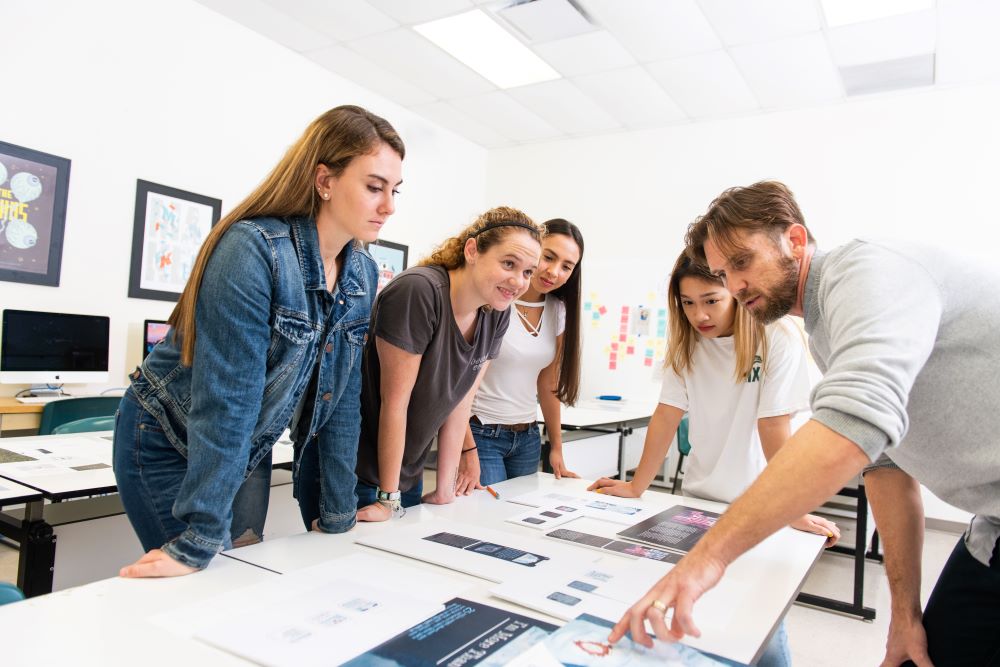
153 332
49 349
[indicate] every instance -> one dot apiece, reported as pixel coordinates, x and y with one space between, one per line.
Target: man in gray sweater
907 339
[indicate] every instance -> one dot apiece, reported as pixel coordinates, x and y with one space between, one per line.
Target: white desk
112 622
736 622
12 493
94 535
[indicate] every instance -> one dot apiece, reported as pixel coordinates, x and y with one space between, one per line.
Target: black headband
506 223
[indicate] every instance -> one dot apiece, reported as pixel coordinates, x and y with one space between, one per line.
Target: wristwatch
392 500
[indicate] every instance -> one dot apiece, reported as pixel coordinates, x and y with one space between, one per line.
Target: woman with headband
434 330
539 364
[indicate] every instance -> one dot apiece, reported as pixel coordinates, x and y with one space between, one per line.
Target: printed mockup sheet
543 518
609 508
677 529
55 456
492 555
466 633
584 642
607 588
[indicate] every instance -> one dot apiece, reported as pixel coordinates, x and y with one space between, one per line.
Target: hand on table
810 523
614 487
375 512
435 498
559 468
679 590
469 470
155 563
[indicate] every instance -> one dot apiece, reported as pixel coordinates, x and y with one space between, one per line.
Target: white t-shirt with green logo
726 454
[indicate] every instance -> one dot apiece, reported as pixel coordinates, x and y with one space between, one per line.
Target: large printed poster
33 188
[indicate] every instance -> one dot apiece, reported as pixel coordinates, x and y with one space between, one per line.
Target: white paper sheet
543 518
326 625
489 554
626 511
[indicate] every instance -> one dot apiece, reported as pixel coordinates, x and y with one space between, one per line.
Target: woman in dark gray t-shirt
434 329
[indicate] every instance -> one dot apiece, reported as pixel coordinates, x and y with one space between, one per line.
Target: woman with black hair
539 364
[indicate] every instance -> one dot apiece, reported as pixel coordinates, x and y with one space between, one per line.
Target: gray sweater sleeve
880 313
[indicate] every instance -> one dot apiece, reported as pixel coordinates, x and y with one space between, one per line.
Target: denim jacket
264 318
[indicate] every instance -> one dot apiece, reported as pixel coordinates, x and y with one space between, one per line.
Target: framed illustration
391 259
170 226
33 190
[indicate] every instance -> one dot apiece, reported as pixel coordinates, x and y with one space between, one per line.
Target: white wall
921 165
176 94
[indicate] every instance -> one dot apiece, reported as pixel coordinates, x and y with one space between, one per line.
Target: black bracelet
470 449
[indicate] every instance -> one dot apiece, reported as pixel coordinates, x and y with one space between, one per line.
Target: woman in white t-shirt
740 383
539 364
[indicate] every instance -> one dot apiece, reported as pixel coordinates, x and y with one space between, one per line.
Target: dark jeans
505 454
367 494
149 471
962 618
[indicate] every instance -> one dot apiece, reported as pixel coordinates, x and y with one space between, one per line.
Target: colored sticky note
648 361
630 350
587 305
602 310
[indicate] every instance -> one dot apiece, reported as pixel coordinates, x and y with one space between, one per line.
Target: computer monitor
53 348
153 332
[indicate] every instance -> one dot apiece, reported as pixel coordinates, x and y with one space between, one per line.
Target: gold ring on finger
659 606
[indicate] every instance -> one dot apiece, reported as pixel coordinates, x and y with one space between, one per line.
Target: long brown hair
451 253
334 139
748 334
568 389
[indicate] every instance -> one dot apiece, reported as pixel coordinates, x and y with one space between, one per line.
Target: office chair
9 593
85 425
72 409
683 449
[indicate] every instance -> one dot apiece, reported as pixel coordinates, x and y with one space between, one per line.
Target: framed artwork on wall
391 259
170 226
33 192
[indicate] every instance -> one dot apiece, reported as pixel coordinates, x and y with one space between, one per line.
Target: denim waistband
496 428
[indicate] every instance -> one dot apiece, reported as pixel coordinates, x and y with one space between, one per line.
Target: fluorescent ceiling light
479 42
843 12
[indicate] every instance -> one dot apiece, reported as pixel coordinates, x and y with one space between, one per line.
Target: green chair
9 593
85 425
683 449
71 409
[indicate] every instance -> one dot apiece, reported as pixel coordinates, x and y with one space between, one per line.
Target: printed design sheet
584 642
55 456
599 506
492 555
543 518
678 528
466 633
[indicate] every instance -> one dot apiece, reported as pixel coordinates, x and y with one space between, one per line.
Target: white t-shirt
726 454
508 393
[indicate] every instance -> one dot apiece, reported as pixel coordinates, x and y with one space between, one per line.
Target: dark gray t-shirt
414 313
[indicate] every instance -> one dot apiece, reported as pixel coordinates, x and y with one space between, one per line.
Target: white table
119 622
94 534
12 493
753 596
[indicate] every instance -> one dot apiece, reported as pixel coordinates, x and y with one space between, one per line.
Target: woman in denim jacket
268 332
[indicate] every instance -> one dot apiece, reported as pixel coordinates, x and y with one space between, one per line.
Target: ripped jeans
149 471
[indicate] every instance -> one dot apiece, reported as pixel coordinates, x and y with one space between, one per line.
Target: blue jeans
777 653
149 471
367 494
504 454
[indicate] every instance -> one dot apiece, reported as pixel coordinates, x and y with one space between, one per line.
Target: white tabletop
594 412
78 464
12 493
735 618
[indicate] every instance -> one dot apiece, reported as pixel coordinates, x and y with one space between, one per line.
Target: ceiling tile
707 84
888 39
562 105
409 12
418 61
365 73
968 47
631 96
789 72
655 29
746 21
502 113
545 20
886 75
585 54
271 23
447 116
342 20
